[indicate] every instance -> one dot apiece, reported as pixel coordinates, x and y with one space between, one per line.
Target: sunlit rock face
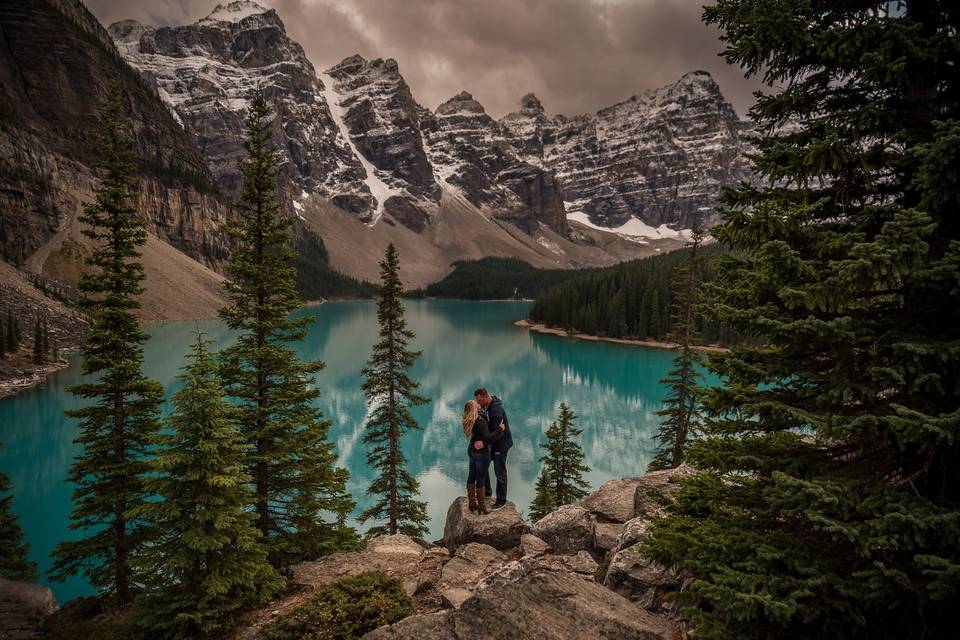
661 157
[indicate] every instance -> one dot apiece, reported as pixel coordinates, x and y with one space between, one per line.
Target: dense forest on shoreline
630 300
495 279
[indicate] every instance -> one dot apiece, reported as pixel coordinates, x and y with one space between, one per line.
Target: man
497 418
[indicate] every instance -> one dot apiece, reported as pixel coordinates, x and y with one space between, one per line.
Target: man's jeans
500 470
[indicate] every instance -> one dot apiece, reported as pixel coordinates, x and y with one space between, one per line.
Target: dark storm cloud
576 55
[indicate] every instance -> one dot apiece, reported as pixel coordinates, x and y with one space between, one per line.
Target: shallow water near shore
613 388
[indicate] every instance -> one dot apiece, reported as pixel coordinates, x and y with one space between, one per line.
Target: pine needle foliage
828 506
561 475
205 562
291 461
391 392
119 423
14 561
679 413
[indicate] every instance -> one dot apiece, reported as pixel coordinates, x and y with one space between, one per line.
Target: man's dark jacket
496 415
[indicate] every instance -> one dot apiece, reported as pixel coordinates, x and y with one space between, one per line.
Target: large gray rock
499 529
613 502
460 575
531 545
569 529
606 535
529 600
655 487
23 607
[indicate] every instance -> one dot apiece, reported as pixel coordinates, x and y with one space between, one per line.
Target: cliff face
56 63
661 157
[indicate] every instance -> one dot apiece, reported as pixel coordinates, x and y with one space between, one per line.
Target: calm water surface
612 388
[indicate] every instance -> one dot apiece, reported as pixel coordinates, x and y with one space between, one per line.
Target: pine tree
291 461
119 423
3 338
14 561
561 476
13 333
204 563
680 406
828 503
39 355
390 394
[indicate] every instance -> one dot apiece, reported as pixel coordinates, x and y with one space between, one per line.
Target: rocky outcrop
500 529
630 572
23 607
531 545
527 599
460 575
568 530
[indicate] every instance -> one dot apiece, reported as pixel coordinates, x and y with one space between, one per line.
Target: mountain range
363 163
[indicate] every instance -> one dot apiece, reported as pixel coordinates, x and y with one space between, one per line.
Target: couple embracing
485 425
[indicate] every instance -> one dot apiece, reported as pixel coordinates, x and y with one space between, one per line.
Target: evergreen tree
3 338
828 503
204 563
680 406
390 394
119 422
39 355
561 477
13 333
291 461
14 562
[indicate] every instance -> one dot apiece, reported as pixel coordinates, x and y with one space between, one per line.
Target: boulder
531 545
527 599
23 607
471 563
606 535
613 502
637 577
582 564
569 529
499 529
655 487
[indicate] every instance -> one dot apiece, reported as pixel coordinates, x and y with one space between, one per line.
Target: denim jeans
500 470
479 464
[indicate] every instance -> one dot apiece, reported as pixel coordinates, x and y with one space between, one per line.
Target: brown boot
472 497
481 501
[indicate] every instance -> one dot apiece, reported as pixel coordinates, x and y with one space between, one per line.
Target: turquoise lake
612 388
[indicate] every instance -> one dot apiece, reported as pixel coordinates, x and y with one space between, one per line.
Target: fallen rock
569 529
582 564
499 529
606 535
655 487
531 545
453 597
527 599
471 563
614 501
23 607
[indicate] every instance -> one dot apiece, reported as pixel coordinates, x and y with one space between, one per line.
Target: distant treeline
316 279
629 300
495 279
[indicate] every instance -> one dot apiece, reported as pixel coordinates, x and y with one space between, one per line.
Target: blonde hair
470 412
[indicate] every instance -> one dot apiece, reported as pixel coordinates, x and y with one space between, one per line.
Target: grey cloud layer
576 55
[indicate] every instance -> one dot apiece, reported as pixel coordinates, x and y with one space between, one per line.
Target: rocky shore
653 344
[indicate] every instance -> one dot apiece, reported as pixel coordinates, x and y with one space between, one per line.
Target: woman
476 428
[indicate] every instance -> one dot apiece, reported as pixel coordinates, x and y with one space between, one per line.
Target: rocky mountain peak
462 102
531 104
234 11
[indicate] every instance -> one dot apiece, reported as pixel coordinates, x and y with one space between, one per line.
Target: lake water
612 388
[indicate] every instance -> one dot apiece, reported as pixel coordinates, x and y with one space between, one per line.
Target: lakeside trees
560 480
14 561
679 414
390 395
119 423
291 461
828 502
204 562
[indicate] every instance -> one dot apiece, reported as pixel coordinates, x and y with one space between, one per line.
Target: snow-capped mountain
659 158
355 136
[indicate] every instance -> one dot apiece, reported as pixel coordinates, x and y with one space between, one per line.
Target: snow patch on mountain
378 188
632 229
234 11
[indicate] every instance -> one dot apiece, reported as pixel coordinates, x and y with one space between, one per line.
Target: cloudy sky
576 55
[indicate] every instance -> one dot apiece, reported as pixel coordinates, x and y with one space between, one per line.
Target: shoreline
652 344
10 387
